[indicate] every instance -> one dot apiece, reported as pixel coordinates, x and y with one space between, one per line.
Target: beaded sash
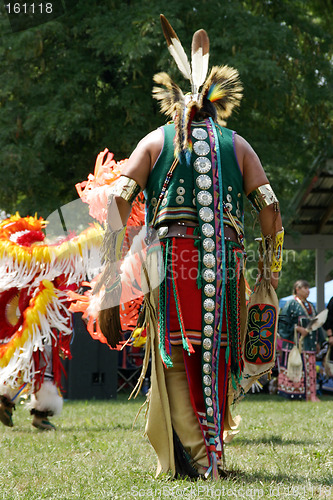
209 200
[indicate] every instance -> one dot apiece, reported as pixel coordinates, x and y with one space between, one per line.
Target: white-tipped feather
176 49
200 59
199 69
179 55
222 87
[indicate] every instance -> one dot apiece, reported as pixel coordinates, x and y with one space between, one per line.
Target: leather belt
185 230
178 230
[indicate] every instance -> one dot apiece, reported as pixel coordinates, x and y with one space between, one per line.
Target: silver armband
126 188
262 197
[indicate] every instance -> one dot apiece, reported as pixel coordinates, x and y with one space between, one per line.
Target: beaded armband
275 250
113 245
276 265
126 188
111 254
262 197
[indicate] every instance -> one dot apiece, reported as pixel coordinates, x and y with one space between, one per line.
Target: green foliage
296 265
75 85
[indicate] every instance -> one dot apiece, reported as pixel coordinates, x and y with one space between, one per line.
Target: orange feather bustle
94 192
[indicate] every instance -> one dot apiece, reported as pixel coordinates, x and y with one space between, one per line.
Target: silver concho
209 275
209 290
208 318
201 148
238 213
181 181
208 244
207 391
202 165
203 181
207 343
229 197
180 200
207 356
208 330
207 380
199 133
194 201
206 214
180 190
208 230
209 305
209 402
153 201
210 411
164 202
204 198
207 369
162 231
209 259
229 206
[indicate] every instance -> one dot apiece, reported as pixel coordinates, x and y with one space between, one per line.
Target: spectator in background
299 311
328 359
328 325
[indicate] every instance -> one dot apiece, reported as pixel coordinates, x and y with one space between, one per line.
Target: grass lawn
283 450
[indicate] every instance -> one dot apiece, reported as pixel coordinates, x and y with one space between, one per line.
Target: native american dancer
193 173
36 324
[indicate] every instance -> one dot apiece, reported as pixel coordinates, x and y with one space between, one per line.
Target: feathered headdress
222 87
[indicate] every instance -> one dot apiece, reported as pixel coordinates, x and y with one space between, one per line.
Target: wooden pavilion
309 225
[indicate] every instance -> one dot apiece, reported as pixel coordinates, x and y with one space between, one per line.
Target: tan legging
184 420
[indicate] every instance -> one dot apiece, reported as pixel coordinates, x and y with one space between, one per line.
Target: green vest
179 201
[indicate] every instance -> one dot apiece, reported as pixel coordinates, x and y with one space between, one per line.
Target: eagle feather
175 48
200 59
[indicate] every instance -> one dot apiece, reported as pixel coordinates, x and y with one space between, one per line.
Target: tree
80 83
